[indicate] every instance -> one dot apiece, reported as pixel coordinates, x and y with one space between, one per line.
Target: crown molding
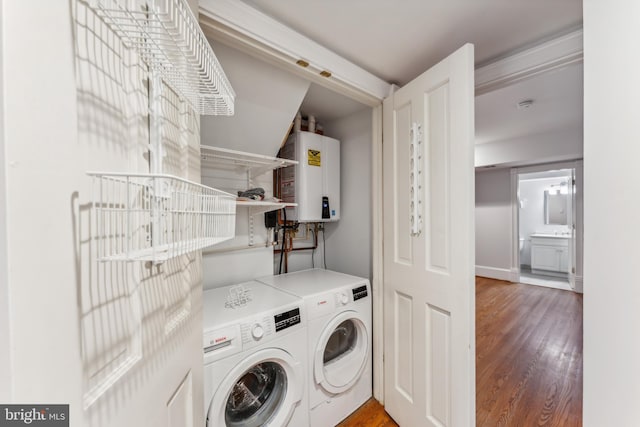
242 26
550 55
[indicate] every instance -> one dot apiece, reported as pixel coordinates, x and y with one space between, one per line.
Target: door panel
180 407
438 327
403 345
429 251
437 143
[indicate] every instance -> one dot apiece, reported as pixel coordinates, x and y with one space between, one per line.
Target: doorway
547 233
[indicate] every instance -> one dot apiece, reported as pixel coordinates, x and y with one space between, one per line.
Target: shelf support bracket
251 229
156 148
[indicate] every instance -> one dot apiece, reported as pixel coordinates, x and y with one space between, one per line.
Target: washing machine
255 357
339 340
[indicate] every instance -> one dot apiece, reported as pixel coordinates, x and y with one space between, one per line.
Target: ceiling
328 105
557 105
399 43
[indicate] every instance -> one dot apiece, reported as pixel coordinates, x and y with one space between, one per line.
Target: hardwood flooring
528 355
371 414
528 359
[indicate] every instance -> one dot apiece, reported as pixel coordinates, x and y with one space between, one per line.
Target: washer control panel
359 292
269 325
287 319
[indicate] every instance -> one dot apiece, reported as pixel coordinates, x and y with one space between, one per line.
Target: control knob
344 298
257 331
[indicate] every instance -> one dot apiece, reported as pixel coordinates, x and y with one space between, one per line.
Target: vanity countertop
552 236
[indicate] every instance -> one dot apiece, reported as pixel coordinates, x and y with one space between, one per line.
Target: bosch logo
322 302
217 340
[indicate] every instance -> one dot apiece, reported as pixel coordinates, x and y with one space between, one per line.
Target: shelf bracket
156 148
251 230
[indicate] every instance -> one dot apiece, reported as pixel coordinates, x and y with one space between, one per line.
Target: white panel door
572 255
429 303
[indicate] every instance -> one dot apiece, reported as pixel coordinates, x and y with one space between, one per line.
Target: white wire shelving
257 207
253 165
154 217
151 217
169 40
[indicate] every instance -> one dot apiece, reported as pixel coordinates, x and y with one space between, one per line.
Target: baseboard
579 285
515 275
493 273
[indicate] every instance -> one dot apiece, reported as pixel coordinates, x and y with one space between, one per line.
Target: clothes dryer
339 340
255 357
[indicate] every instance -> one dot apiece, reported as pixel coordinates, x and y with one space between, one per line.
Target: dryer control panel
326 303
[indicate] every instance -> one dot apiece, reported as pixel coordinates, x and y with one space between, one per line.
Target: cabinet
549 253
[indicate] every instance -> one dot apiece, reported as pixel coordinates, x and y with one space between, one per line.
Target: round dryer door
342 352
261 390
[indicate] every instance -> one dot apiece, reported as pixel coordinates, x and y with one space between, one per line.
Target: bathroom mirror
555 208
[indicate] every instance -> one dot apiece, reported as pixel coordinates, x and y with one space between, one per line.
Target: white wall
349 240
305 258
493 223
77 102
612 209
42 278
267 99
5 359
531 212
233 262
531 149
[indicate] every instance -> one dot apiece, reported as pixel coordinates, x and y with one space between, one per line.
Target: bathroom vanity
550 254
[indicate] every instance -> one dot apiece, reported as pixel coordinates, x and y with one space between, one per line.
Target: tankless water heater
314 183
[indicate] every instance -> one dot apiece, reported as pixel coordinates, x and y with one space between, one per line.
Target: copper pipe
290 248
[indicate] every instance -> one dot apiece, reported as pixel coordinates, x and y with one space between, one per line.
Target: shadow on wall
133 316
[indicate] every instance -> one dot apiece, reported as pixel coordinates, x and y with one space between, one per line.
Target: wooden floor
528 359
371 414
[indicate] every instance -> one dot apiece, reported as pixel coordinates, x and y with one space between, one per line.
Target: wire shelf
257 164
144 217
169 40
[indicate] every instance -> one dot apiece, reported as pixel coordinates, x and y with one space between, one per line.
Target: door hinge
573 270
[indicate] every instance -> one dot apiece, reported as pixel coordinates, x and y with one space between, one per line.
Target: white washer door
341 353
261 390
